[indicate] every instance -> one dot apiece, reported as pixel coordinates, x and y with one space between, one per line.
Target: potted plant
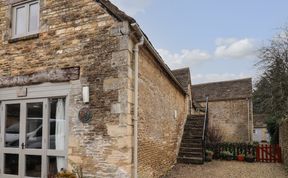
222 155
240 157
250 158
229 156
65 174
209 155
226 155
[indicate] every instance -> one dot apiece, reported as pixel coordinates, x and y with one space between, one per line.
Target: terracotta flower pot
240 158
209 156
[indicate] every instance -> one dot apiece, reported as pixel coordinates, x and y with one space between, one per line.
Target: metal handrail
205 129
205 119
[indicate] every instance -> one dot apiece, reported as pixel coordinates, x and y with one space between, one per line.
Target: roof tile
225 90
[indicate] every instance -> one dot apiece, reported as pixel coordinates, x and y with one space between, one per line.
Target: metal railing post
205 125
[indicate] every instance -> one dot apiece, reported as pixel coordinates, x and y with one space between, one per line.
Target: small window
25 19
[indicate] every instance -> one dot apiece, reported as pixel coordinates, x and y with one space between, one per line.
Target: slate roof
183 76
259 120
225 90
115 11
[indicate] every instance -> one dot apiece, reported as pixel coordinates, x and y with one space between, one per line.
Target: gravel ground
228 169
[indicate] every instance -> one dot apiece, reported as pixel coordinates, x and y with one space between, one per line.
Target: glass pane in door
34 121
55 164
11 164
12 124
57 124
33 166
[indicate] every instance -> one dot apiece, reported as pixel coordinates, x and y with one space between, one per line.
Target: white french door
24 135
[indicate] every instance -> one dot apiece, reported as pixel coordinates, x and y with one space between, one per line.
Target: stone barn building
230 107
81 86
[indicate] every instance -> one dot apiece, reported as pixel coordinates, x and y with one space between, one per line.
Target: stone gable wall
231 118
160 132
81 34
283 141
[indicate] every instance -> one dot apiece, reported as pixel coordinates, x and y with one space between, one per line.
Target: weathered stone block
120 58
117 131
114 84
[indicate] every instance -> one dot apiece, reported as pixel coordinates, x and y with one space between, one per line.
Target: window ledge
23 38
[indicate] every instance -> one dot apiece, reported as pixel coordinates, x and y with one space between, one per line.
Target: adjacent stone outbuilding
230 107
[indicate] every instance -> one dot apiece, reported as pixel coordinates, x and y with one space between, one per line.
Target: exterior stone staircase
192 148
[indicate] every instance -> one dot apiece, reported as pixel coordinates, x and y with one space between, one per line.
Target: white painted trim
46 90
35 93
26 5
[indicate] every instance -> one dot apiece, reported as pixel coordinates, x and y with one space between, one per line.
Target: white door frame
22 152
40 92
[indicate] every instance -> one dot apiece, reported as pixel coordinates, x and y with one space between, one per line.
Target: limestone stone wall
80 33
231 118
283 140
160 131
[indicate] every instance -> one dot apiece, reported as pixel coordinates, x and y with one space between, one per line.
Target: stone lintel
53 76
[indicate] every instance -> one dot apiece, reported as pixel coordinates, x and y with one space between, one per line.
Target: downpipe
136 103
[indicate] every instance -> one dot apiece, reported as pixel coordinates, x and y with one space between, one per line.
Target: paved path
228 169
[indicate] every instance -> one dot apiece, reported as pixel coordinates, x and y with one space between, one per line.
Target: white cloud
204 78
184 58
224 41
132 7
226 48
232 48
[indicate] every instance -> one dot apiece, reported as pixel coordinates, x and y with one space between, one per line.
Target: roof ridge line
224 81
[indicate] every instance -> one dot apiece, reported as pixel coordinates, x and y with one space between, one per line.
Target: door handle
23 146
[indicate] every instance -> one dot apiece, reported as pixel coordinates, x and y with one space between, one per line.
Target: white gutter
135 120
158 57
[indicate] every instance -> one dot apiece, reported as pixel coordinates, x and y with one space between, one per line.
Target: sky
218 40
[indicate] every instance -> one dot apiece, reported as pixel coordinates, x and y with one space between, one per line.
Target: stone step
193 127
192 134
191 148
197 125
193 131
187 149
198 136
190 154
190 160
190 126
191 145
197 128
192 140
195 121
196 116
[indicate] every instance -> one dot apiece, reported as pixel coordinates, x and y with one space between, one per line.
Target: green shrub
273 129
